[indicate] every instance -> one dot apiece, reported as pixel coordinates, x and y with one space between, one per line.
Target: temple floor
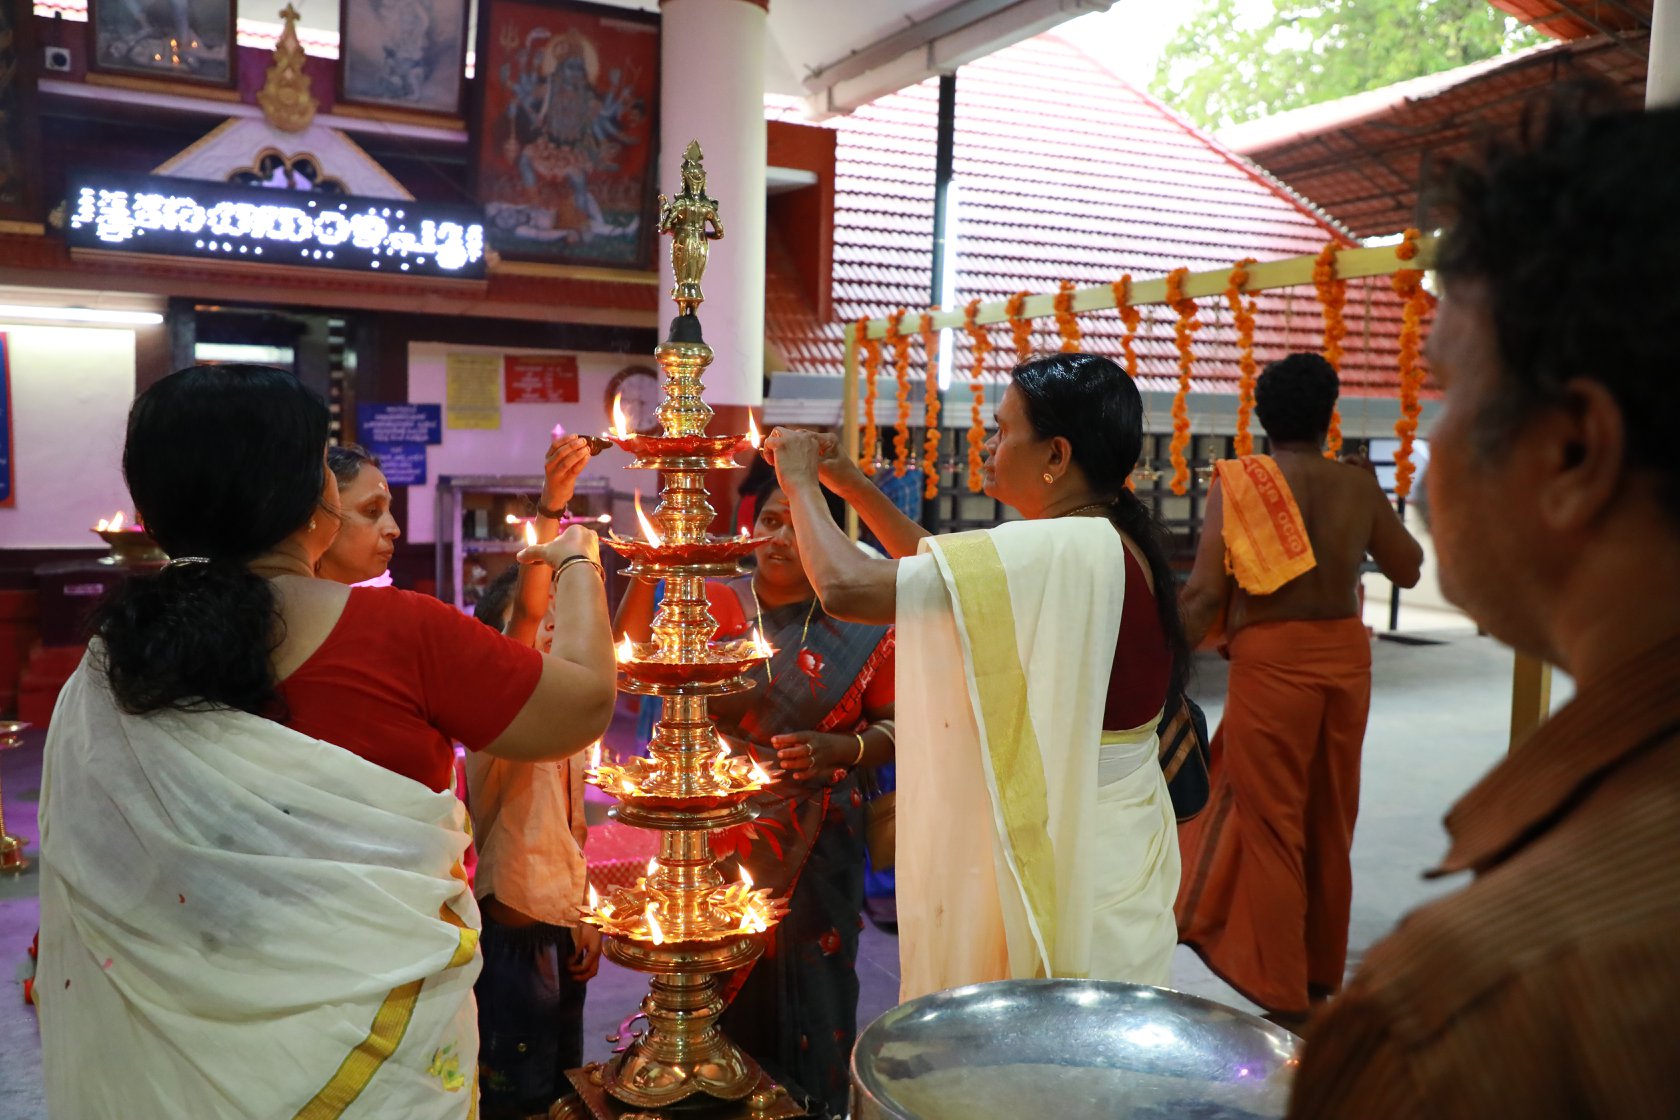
1439 718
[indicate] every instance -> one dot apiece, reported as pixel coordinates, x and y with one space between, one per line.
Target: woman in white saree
252 902
1035 834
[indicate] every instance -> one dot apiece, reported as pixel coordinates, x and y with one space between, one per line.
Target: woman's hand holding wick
562 465
576 540
815 755
795 454
835 469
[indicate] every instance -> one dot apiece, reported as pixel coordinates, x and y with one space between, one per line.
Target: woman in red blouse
247 821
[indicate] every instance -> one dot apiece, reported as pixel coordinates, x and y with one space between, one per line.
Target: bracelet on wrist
560 514
859 758
579 558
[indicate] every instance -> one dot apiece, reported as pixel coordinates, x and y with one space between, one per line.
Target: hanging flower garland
1066 325
976 434
870 372
1242 313
900 343
1131 317
930 420
1020 327
1332 296
1408 285
1186 325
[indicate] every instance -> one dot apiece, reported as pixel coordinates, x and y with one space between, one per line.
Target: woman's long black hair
1092 403
223 462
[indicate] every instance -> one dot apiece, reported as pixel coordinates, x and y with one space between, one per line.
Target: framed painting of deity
19 136
178 40
566 133
406 55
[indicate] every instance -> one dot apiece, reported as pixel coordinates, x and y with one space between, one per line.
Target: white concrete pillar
711 89
1662 77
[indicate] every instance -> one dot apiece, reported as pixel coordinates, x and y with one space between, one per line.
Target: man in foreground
1267 884
1546 987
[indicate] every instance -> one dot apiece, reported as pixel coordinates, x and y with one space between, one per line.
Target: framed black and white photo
405 55
178 40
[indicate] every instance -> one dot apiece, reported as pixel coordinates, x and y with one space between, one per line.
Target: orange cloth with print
1266 542
1267 882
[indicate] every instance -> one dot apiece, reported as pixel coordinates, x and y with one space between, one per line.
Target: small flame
112 525
621 426
559 431
759 775
512 520
655 930
753 436
626 651
761 647
653 868
648 530
530 534
605 519
595 756
746 878
594 897
744 533
720 764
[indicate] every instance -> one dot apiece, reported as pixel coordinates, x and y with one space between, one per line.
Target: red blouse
1137 684
403 674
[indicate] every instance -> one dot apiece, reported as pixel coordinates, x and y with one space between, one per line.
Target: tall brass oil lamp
682 923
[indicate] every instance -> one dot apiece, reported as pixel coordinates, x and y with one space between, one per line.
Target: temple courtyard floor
1439 719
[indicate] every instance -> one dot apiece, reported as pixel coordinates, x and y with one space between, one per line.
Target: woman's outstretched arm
851 585
840 473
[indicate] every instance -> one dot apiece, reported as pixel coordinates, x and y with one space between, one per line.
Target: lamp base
589 1101
12 861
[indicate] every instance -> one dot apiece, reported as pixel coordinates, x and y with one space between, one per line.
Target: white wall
518 447
71 390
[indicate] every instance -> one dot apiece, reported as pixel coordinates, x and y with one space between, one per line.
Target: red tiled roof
1363 158
1066 172
1578 19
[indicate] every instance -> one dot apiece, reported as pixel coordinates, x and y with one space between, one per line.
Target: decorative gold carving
686 218
285 98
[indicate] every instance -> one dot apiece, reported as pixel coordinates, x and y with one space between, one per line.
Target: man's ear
1582 455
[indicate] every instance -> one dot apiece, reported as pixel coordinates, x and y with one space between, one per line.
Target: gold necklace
758 610
1086 506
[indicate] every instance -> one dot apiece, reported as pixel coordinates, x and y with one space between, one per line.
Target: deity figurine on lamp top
686 218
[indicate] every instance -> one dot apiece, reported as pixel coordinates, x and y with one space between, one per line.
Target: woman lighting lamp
251 895
1035 833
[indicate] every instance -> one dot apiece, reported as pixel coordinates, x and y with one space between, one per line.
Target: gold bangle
859 736
580 559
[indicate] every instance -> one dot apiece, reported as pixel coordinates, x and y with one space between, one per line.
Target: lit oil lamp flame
595 756
530 534
626 651
621 425
512 520
759 775
648 530
111 526
655 930
559 431
746 878
720 763
652 868
594 897
745 533
761 647
753 436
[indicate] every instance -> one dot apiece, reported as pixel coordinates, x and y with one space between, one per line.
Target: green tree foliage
1237 60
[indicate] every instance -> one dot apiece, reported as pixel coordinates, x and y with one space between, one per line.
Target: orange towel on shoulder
1266 542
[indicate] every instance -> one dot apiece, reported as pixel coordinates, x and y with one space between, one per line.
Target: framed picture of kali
182 40
566 136
403 54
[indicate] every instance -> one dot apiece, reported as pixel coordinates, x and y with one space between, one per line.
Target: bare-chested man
1267 883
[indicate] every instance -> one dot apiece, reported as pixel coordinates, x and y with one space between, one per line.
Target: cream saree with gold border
1030 841
240 921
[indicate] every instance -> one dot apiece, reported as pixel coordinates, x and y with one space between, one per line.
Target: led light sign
255 225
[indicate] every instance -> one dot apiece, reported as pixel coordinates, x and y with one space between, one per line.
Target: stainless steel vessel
1049 1049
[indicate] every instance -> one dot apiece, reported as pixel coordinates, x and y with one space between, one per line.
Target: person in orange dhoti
1267 883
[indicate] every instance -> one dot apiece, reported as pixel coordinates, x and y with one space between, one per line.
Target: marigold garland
976 434
1408 285
1131 317
1242 313
1066 325
900 343
930 421
1186 325
1020 327
1332 296
871 371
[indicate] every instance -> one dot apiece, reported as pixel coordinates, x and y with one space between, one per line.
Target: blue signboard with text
404 464
399 423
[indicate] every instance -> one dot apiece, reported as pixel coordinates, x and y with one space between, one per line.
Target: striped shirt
1550 985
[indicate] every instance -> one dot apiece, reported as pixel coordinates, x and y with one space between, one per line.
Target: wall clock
640 396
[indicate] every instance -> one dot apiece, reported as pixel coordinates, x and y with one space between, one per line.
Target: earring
1049 478
312 521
